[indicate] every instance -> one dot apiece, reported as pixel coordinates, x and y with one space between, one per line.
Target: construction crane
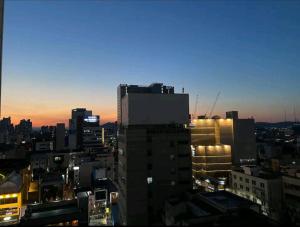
196 104
214 105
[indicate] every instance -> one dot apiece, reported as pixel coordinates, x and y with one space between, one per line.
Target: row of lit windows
262 185
262 193
8 200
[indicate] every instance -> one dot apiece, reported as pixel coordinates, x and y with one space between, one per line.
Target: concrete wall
141 109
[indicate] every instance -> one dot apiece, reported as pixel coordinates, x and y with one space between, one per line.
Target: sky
62 54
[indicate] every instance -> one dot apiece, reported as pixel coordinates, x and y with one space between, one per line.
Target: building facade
262 188
84 130
154 150
211 152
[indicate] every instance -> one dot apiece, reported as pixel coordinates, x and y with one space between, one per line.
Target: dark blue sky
59 55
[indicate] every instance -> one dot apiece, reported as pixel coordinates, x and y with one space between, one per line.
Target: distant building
85 130
6 131
60 137
44 146
23 130
154 150
47 132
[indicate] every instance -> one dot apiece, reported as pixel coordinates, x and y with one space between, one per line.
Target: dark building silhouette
153 150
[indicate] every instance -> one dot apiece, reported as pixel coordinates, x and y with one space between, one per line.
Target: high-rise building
6 131
154 150
85 130
23 130
60 136
47 132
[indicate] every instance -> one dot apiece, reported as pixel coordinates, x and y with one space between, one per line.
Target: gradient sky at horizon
59 55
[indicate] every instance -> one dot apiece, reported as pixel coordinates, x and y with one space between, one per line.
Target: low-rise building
261 187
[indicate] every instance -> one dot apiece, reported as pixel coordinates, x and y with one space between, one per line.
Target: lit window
149 180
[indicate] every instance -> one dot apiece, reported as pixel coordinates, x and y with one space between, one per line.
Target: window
241 179
262 185
235 185
149 166
149 180
149 139
234 176
247 180
253 182
8 200
247 189
241 186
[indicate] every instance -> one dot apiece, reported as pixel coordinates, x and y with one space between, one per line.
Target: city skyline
58 56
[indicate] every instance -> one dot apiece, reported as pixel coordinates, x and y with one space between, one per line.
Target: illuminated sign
91 119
